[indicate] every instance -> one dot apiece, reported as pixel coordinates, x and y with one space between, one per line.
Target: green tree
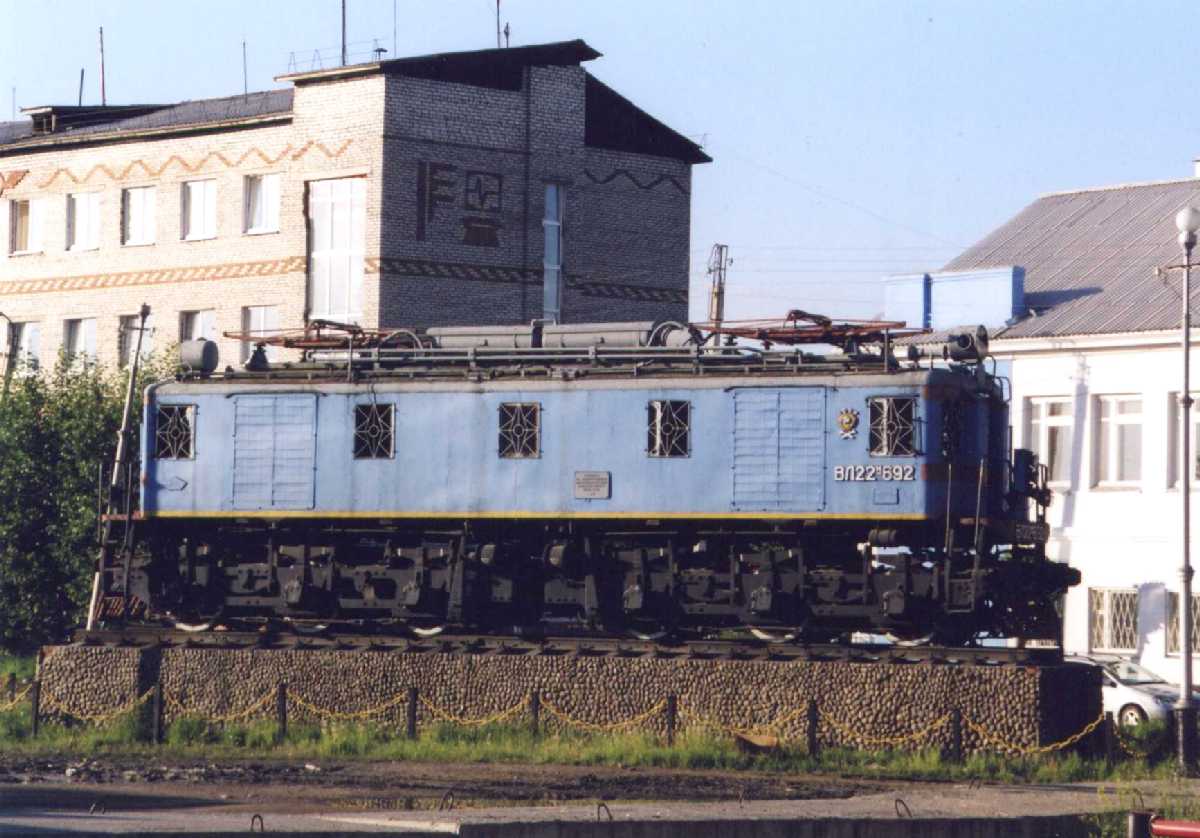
58 433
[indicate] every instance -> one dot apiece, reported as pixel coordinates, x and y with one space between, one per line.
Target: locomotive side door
779 449
274 451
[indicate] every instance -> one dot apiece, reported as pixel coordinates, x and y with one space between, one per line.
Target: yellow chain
1026 750
175 706
596 727
17 699
54 705
905 738
768 728
1136 753
350 716
447 716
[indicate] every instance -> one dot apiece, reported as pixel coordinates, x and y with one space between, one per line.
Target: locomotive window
373 435
668 428
893 427
520 430
173 431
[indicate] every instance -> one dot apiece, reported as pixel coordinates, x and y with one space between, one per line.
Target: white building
1088 331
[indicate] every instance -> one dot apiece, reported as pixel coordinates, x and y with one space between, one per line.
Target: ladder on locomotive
110 601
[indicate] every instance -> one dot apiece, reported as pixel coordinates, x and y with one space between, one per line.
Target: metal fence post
35 706
1110 738
956 737
281 719
672 710
810 728
156 710
535 711
411 721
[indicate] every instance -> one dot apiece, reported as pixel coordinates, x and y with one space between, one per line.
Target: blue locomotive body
647 484
769 449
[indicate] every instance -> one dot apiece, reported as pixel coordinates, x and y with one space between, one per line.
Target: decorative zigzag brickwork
148 170
632 178
198 273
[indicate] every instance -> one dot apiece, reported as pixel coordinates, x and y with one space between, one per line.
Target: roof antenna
103 97
497 24
506 34
81 86
378 50
245 75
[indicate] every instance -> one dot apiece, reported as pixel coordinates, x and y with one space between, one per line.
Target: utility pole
245 74
497 24
718 263
343 33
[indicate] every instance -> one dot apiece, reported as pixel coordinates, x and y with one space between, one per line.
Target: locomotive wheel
773 635
194 628
427 631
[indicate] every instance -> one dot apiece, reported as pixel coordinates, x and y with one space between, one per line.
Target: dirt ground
301 787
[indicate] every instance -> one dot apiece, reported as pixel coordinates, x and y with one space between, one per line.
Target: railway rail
165 638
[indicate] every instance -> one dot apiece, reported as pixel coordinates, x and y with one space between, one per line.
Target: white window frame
553 216
198 323
1107 428
127 325
24 344
1175 439
138 211
267 187
207 215
83 229
79 338
1101 634
341 202
1038 437
1171 623
36 214
259 320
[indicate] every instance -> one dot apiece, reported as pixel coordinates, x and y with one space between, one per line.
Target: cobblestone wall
859 703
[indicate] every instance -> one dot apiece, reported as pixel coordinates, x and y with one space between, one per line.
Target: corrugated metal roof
196 112
1090 259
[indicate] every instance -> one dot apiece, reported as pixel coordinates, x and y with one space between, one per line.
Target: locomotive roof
310 377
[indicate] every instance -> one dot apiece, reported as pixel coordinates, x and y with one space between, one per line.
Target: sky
851 140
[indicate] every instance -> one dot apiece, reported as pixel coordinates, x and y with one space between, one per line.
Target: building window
259 321
373 431
336 238
520 430
127 338
1112 619
893 426
552 258
173 432
1051 424
668 428
24 346
1119 440
194 325
261 204
83 221
25 226
1173 623
1175 434
79 338
137 215
198 211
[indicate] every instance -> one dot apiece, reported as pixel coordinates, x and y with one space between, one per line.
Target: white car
1132 693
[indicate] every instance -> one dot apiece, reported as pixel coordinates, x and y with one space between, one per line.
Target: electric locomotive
653 479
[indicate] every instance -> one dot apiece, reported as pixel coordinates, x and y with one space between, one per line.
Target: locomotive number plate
873 473
593 485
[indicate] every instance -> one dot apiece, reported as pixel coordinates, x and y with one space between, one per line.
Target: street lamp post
1188 223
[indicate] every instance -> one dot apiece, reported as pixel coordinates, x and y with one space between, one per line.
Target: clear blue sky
851 139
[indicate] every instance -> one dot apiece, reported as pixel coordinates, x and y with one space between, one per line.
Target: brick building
495 186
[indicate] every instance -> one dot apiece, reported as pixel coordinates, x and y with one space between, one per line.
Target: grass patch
191 738
22 667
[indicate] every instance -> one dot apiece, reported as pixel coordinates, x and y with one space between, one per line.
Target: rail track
166 638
